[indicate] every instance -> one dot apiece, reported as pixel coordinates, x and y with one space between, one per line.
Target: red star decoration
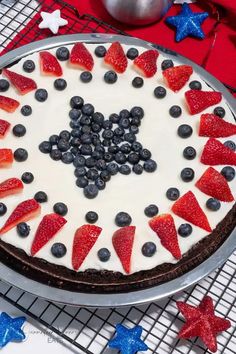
202 322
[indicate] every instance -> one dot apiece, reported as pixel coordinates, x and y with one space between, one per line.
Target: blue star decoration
10 329
188 23
128 341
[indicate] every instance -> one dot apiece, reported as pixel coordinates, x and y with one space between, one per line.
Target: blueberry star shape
128 341
52 21
10 329
187 23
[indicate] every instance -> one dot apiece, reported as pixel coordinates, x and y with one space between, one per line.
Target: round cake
116 167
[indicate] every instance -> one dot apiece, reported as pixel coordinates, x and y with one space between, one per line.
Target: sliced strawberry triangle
6 158
215 127
8 104
214 184
115 56
122 241
146 63
49 64
47 229
22 83
216 153
164 226
4 127
84 239
198 100
23 212
81 57
177 76
10 186
188 208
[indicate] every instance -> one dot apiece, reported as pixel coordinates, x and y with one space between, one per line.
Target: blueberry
74 114
19 130
137 112
113 149
133 158
86 139
107 134
133 129
79 161
23 229
92 174
98 118
117 140
54 139
90 162
100 183
125 169
119 131
213 204
105 175
87 109
123 219
55 155
159 92
60 84
219 111
137 82
187 174
60 208
75 142
149 249
41 95
132 53
110 77
189 153
3 209
150 166
62 54
63 145
58 250
91 191
125 148
74 150
151 210
74 124
120 158
137 169
145 154
26 110
82 182
85 119
29 66
91 217
41 197
175 111
86 76
135 121
86 150
76 102
172 193
166 64
80 171
230 144
100 51
108 157
67 157
130 137
20 155
4 85
45 147
114 118
27 177
228 172
184 131
112 168
185 230
104 254
195 85
136 146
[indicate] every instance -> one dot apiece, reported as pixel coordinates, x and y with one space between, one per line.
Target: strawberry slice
84 239
214 184
146 63
81 57
49 64
8 104
10 186
122 241
198 100
216 153
4 127
177 76
6 157
215 127
22 83
48 227
115 56
188 208
23 212
164 226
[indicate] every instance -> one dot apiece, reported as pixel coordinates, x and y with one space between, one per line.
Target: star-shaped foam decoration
187 23
128 341
52 21
202 322
10 329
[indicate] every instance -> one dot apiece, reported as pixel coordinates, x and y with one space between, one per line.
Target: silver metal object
137 12
136 297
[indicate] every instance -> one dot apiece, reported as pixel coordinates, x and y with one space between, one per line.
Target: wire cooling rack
89 330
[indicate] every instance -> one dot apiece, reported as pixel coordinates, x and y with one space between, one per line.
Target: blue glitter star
128 340
10 329
187 23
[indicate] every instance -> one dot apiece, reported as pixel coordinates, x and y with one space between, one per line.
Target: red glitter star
202 322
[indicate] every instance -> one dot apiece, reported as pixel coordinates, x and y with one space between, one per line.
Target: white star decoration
52 21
